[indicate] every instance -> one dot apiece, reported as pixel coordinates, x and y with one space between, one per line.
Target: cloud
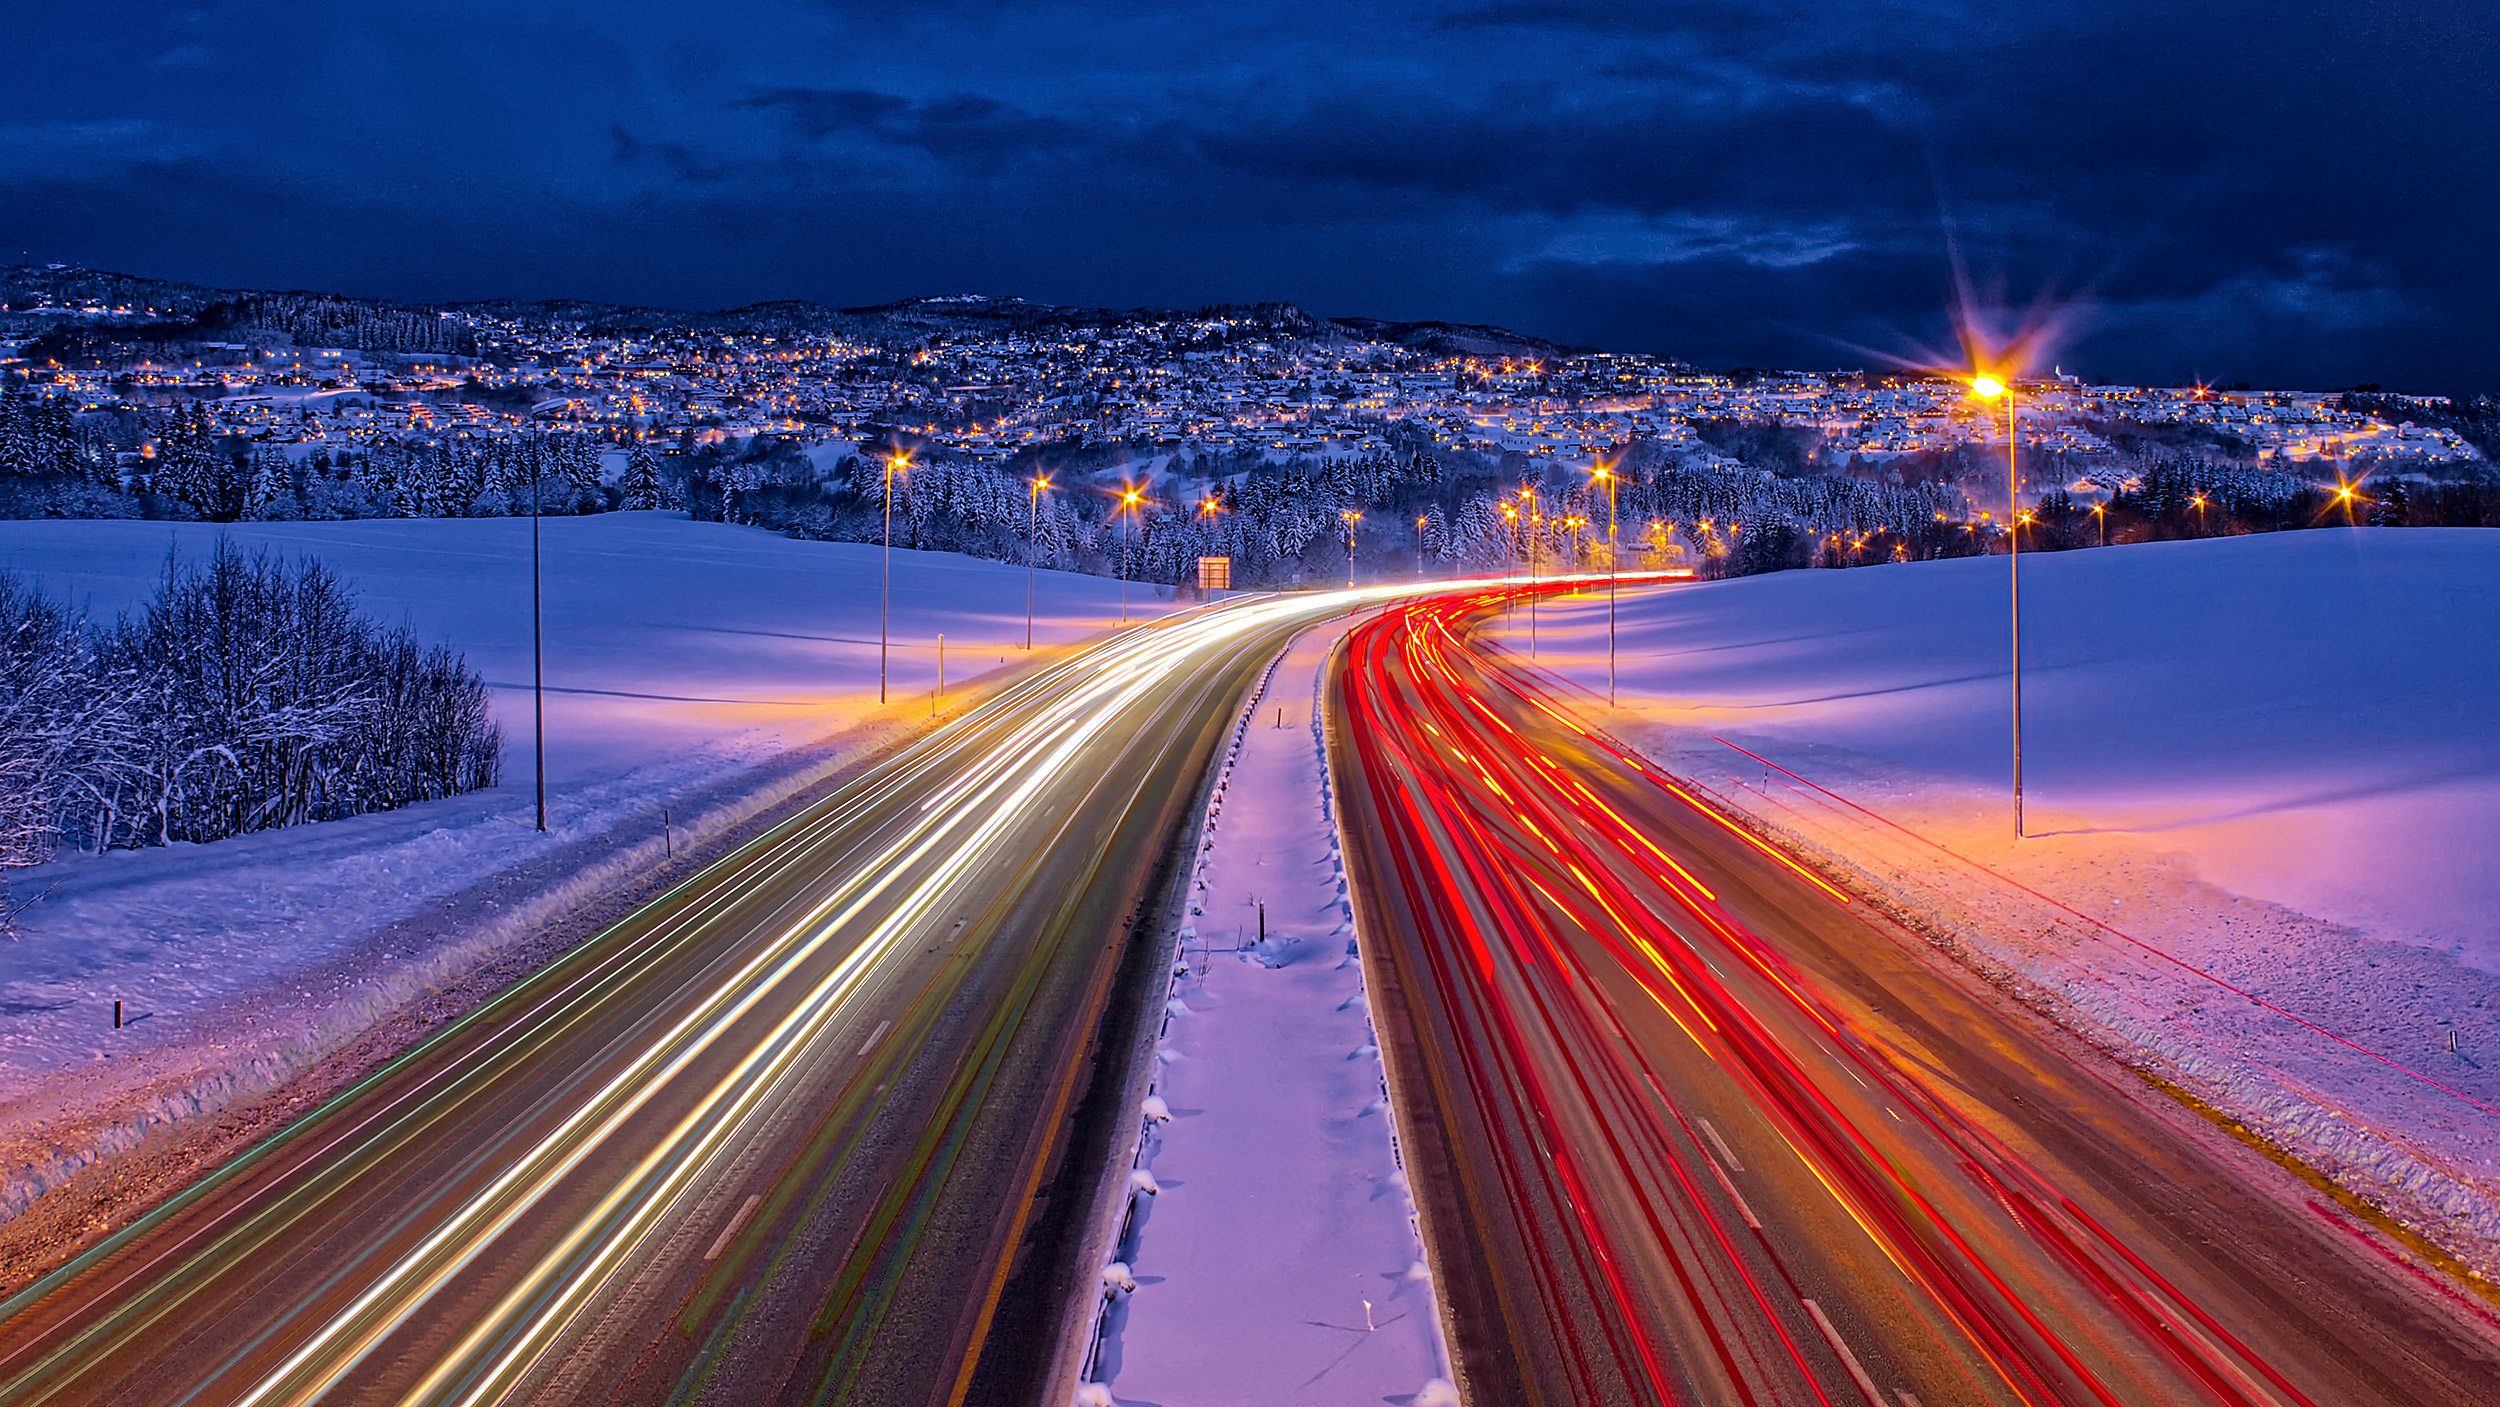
1733 180
964 131
1616 237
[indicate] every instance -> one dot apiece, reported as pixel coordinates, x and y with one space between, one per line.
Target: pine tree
642 486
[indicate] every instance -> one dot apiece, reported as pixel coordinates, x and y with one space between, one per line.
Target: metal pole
1124 564
538 656
1610 590
885 585
941 688
1536 522
2014 589
1032 553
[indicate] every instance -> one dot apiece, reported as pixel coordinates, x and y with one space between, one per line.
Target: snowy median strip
1268 1249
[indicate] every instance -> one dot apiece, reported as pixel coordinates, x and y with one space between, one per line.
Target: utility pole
1419 551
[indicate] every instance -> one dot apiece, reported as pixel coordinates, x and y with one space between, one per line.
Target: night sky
2285 193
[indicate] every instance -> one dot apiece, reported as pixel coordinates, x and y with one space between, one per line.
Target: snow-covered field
2270 758
685 662
1276 1259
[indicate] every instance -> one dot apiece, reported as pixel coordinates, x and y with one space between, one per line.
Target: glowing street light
1419 549
1032 550
1606 476
895 464
1510 544
1536 528
1127 510
2101 512
1351 518
1989 388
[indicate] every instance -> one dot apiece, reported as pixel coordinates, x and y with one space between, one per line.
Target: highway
1688 1125
826 1123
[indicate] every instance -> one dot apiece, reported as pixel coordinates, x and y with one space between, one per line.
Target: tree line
1281 523
248 693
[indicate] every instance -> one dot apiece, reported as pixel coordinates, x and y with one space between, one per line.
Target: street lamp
1127 510
1419 550
2344 495
538 654
1606 476
1351 517
1988 388
895 464
1510 548
1207 509
1536 528
1032 550
2101 512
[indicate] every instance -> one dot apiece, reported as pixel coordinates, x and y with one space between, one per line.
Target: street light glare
1987 388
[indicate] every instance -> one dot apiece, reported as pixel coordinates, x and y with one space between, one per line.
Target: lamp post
1989 388
894 464
1510 549
2100 512
1419 551
1032 550
538 656
1128 510
1352 518
1536 524
1607 477
1208 507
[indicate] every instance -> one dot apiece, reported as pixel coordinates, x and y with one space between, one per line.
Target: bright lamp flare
1987 387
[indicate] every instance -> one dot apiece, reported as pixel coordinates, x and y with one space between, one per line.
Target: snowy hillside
2307 714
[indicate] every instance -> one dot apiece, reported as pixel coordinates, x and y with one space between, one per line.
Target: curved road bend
788 1134
1689 1127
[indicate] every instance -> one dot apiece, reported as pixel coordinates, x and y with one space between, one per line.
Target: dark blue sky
2288 192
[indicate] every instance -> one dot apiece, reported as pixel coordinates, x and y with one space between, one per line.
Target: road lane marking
753 1201
1721 1144
1857 1372
1738 1197
875 1036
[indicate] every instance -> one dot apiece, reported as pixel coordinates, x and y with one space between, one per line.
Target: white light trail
944 842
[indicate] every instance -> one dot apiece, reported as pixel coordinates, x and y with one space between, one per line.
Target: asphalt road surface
824 1124
1687 1125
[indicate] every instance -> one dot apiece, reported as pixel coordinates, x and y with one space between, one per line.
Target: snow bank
2261 789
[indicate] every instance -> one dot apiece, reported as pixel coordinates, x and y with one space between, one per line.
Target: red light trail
1704 1130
